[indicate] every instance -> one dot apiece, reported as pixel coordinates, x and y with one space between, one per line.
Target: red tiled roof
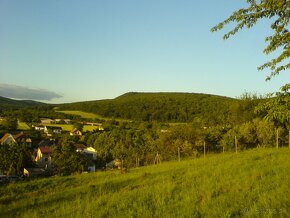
45 149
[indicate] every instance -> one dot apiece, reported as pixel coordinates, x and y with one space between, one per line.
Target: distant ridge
162 106
7 102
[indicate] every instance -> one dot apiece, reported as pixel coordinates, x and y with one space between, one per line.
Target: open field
23 126
249 184
92 116
82 114
69 127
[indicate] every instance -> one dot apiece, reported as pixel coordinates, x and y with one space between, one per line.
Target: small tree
67 161
9 123
78 126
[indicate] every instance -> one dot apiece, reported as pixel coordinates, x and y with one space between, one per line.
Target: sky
61 51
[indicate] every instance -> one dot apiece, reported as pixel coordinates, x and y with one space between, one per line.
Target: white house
49 130
91 153
44 156
76 132
46 121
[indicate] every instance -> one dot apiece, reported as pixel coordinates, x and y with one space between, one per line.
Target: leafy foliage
13 157
66 160
276 10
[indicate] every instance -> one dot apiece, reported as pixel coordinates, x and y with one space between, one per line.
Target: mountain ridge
4 101
162 106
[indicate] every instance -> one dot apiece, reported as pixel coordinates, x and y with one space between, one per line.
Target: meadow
253 183
87 115
69 127
23 126
82 114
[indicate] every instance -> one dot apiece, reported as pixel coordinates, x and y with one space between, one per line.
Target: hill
7 102
254 183
167 107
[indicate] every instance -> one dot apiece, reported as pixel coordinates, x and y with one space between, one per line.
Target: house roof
18 137
45 149
5 137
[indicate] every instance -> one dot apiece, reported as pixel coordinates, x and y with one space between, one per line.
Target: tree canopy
277 11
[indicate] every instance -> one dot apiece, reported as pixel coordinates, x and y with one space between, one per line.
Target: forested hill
169 107
7 102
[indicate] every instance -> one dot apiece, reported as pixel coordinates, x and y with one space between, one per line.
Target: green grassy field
92 116
69 127
249 184
82 114
22 126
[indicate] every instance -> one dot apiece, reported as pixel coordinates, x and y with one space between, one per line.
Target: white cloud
21 92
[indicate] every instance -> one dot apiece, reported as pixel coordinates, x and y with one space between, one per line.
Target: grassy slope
250 184
90 115
81 113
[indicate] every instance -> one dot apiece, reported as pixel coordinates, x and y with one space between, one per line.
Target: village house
8 139
49 130
91 153
34 172
44 156
39 127
62 121
46 121
75 132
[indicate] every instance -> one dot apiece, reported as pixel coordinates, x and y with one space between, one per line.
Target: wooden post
122 166
178 154
157 159
236 144
204 149
277 138
289 139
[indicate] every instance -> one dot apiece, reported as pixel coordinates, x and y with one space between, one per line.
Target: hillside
167 107
7 102
253 183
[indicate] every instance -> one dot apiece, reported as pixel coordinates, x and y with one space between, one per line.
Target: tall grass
249 184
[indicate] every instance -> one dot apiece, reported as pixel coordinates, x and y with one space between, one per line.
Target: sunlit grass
82 114
23 126
69 127
92 116
249 184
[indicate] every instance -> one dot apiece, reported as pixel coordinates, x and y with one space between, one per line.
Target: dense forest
171 107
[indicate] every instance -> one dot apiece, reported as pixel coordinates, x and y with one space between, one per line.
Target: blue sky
97 49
